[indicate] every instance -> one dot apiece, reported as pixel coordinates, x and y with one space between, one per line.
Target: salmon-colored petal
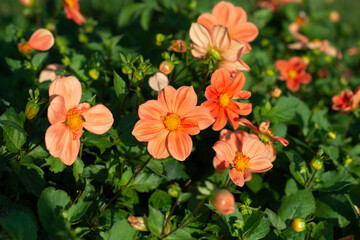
75 14
272 151
241 16
199 52
245 32
224 13
220 120
157 146
253 147
220 38
220 165
49 72
152 110
260 164
223 151
234 52
242 95
60 143
200 35
179 145
237 177
211 93
220 80
264 127
185 100
236 85
207 20
189 126
292 85
98 119
146 130
231 138
243 109
232 117
304 78
236 66
56 111
42 40
248 124
202 116
166 96
69 88
281 140
247 176
282 65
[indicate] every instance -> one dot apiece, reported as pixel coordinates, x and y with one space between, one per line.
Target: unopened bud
138 75
348 160
24 48
224 202
331 135
276 92
126 69
94 74
26 3
166 67
178 46
298 224
317 163
323 73
306 59
138 223
31 109
334 16
270 72
174 190
160 38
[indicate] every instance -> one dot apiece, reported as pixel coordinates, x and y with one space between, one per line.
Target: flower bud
138 223
323 73
174 190
331 135
298 224
348 160
31 109
160 38
265 42
94 74
178 46
317 163
24 48
166 67
158 81
138 75
306 59
224 202
276 92
334 16
270 72
26 3
126 69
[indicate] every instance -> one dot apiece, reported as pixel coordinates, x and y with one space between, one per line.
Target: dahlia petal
157 146
245 32
224 12
232 117
244 109
304 78
260 164
207 20
272 151
282 65
247 176
56 111
41 40
236 85
179 145
152 110
200 35
146 130
189 126
166 96
234 52
220 38
211 93
292 85
242 95
202 116
253 147
76 15
49 72
220 120
281 140
223 151
213 107
220 80
248 124
237 177
186 100
220 165
264 127
198 52
69 88
98 119
158 81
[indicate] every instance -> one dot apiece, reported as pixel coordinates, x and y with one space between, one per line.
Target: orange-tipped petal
293 85
57 111
60 143
234 90
220 120
282 65
237 177
220 80
157 146
245 32
179 145
244 109
220 165
232 117
147 130
152 109
189 126
247 176
202 116
272 151
207 20
98 119
223 151
264 127
75 14
221 39
200 35
281 140
224 12
41 40
69 88
186 100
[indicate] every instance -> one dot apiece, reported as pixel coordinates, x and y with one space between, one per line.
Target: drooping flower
245 153
49 72
72 11
158 81
265 135
224 202
234 18
42 40
293 72
68 118
167 122
218 45
220 99
138 223
347 101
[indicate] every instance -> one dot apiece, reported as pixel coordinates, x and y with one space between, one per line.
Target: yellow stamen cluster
292 73
241 162
224 100
74 120
69 3
171 122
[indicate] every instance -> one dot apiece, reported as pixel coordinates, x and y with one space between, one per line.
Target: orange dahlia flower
293 72
245 154
219 45
234 18
167 122
72 11
67 118
42 40
265 135
347 101
220 95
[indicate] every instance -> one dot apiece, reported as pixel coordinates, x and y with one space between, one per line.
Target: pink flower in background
265 135
334 16
49 72
68 117
347 101
245 153
158 81
72 11
218 45
234 18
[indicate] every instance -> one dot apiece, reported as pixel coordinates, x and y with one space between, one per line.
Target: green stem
347 126
169 216
307 185
123 103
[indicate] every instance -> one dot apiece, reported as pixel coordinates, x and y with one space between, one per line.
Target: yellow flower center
241 162
171 121
74 120
69 3
292 73
224 100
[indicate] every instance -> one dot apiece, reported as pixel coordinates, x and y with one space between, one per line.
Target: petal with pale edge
179 145
220 38
69 88
152 110
200 35
260 164
254 147
146 130
202 116
41 40
185 100
166 98
56 111
98 119
237 177
223 151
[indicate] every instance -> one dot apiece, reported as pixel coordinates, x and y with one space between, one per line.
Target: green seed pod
31 110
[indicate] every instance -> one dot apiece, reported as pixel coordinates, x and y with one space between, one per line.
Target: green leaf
129 12
38 59
120 86
175 170
320 119
275 220
160 200
231 219
77 210
255 184
331 209
78 168
334 180
261 230
155 221
252 223
13 64
284 109
122 230
146 182
14 137
56 165
20 225
32 177
262 17
50 205
180 234
303 114
145 18
299 204
296 163
322 231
